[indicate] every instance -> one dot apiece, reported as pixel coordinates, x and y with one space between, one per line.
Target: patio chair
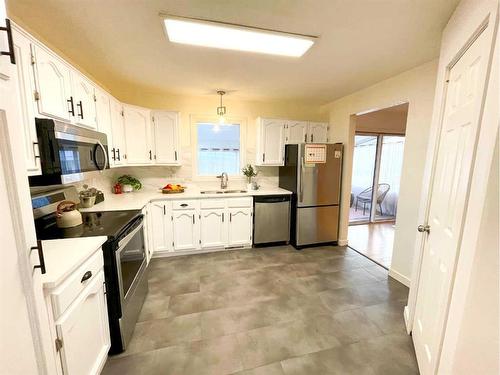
365 197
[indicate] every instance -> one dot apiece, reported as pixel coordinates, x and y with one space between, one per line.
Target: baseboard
166 254
342 242
399 277
406 315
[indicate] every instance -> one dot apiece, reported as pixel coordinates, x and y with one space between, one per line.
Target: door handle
424 228
72 106
193 219
312 137
114 153
150 155
223 217
79 104
10 52
118 151
87 275
184 205
39 248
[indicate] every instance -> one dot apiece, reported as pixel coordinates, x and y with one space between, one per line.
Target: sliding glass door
376 176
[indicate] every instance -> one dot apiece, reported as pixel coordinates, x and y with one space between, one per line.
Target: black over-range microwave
68 152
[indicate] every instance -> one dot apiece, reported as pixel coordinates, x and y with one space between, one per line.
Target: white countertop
138 199
62 257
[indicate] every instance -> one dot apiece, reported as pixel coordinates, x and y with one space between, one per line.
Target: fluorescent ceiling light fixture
235 37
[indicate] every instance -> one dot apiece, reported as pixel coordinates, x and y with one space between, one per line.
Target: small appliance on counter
125 267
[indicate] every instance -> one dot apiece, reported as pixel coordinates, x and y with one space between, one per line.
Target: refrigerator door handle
301 177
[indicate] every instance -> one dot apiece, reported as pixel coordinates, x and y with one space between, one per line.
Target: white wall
416 87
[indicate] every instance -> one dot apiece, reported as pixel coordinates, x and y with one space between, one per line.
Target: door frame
469 20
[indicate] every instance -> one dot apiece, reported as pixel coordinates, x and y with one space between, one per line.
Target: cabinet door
166 128
318 132
25 85
117 148
84 332
137 130
84 101
240 226
296 132
186 230
273 142
213 228
103 114
53 84
161 227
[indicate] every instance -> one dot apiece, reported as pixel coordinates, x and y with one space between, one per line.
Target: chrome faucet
223 180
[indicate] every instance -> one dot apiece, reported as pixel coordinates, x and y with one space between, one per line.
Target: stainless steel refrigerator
313 172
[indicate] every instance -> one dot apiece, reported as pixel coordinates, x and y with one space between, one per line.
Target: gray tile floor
325 310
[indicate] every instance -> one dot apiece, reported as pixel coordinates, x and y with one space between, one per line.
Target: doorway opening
377 163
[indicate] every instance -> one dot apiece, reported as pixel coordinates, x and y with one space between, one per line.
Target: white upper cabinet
25 85
186 230
318 132
103 114
296 132
117 148
270 141
213 228
240 226
53 85
166 137
84 101
137 135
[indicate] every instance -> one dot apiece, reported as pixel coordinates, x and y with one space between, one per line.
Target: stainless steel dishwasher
271 219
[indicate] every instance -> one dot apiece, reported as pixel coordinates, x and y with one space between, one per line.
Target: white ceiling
121 42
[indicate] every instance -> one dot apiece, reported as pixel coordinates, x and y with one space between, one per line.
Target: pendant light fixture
221 110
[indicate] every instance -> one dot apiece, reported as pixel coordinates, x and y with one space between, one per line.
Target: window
218 149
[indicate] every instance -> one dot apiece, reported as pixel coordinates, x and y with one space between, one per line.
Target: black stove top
106 223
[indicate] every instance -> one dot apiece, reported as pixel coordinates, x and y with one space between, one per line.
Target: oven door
130 261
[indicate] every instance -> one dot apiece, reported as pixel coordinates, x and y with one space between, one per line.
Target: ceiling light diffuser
235 37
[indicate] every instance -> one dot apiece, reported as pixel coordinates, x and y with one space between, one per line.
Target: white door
84 97
273 141
137 130
213 228
103 114
318 132
240 226
296 132
117 148
53 84
24 319
186 230
84 331
161 227
448 198
166 125
26 102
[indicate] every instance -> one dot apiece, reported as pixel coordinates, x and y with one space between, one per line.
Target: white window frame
195 120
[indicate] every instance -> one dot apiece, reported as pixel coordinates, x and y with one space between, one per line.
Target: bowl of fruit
172 189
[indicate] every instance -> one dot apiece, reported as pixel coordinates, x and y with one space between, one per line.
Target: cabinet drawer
185 205
239 202
63 295
212 203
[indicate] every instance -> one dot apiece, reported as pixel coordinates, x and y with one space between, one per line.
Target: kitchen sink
222 191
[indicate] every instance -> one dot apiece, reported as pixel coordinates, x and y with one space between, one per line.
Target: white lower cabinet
213 228
78 317
240 226
179 226
186 230
160 227
83 331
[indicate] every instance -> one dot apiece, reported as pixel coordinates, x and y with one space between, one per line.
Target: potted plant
250 172
129 183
